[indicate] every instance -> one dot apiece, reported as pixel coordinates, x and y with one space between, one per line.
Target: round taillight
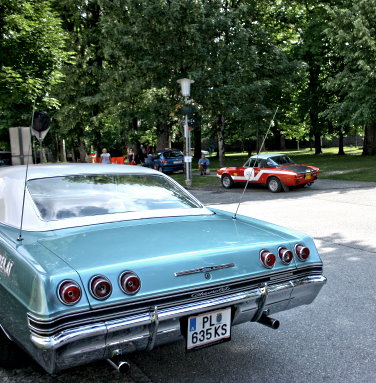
130 282
285 255
100 287
267 258
302 252
69 292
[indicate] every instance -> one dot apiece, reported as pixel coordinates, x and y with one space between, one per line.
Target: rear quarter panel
291 235
31 284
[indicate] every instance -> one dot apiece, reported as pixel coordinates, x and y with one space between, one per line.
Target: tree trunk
248 147
62 151
369 145
42 151
314 95
134 136
341 152
163 136
197 141
82 151
318 149
221 139
282 143
134 124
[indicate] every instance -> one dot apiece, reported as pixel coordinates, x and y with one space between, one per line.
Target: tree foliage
32 53
119 88
81 116
239 71
352 34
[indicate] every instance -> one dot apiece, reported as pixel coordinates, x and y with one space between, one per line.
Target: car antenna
20 238
258 152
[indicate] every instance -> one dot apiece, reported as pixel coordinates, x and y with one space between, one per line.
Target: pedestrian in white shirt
105 157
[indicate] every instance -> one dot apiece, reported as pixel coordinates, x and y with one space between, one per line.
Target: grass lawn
197 180
352 166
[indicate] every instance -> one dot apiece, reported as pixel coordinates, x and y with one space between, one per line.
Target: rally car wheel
227 181
274 185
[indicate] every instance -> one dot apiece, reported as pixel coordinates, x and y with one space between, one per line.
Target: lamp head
185 84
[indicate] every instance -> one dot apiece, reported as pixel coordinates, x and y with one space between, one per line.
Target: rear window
173 154
253 162
87 195
281 160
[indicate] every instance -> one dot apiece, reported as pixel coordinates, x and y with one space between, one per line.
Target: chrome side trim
5 333
205 269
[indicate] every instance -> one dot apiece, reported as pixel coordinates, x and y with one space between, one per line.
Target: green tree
353 35
313 48
86 118
32 52
238 70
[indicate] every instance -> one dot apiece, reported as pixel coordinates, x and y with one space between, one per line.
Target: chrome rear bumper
102 340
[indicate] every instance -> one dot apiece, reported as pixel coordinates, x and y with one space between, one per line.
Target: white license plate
207 328
178 162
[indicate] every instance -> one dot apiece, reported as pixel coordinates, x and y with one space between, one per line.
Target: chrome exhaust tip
269 322
119 364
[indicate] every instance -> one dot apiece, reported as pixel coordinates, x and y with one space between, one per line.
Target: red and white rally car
277 171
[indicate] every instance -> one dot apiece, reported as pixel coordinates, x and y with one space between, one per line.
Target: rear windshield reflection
88 195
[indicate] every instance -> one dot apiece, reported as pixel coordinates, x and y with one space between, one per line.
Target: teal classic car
97 261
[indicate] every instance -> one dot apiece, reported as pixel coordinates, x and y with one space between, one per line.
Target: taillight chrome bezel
282 251
63 287
299 249
94 282
264 256
125 278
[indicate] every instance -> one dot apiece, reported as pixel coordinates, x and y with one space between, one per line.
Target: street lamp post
185 84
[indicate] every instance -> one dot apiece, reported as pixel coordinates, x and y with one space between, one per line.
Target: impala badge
5 265
205 269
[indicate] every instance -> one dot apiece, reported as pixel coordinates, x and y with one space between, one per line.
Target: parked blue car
169 160
97 261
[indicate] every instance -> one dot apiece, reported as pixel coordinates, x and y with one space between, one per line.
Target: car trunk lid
300 169
158 250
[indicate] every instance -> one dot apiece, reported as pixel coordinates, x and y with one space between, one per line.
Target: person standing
131 156
105 157
203 164
149 161
140 159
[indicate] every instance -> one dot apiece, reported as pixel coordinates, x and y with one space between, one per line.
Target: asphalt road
332 340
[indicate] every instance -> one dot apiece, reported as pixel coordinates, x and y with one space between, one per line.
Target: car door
252 171
264 167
